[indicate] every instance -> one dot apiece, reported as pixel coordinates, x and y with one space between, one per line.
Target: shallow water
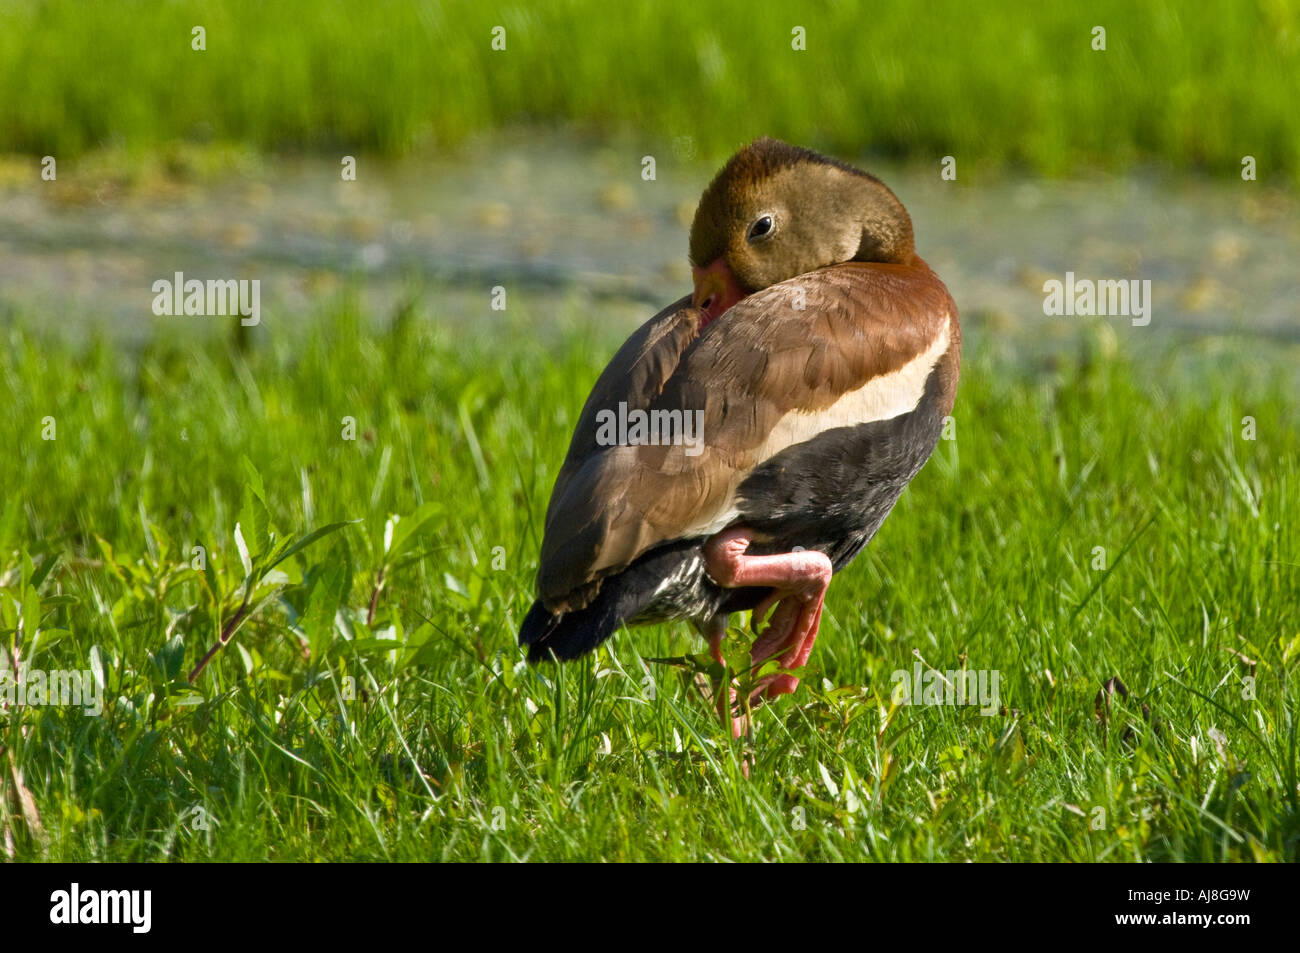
544 218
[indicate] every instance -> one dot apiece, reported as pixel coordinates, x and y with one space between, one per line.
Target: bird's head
777 211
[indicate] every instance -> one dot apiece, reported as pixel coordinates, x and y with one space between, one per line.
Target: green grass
987 561
988 84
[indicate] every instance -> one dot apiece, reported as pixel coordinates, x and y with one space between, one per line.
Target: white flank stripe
881 398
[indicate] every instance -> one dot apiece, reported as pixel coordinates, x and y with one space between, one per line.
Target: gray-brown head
777 211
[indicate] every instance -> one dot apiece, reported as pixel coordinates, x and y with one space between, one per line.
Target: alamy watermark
214 297
651 427
32 687
75 906
967 686
1105 298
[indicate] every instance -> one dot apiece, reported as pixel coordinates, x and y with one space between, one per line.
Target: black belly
830 493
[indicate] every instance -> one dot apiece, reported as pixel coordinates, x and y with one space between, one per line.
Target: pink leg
800 580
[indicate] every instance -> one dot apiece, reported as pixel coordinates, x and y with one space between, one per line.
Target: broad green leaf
254 479
243 551
827 780
407 526
256 524
371 646
307 540
317 620
420 646
1291 650
44 570
97 667
31 613
170 657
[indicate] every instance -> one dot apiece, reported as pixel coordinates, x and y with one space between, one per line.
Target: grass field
371 703
988 84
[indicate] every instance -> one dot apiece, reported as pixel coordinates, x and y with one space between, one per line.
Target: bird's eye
761 227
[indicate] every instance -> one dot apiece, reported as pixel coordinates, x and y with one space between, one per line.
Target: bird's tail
570 635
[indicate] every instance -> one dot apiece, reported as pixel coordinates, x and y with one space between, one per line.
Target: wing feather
774 367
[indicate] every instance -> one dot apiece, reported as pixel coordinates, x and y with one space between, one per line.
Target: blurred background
522 166
1118 504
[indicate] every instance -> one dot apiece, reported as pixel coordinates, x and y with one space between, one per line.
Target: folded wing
838 347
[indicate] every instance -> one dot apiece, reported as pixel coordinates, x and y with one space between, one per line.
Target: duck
791 397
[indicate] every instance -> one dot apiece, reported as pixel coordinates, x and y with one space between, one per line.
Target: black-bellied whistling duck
821 355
